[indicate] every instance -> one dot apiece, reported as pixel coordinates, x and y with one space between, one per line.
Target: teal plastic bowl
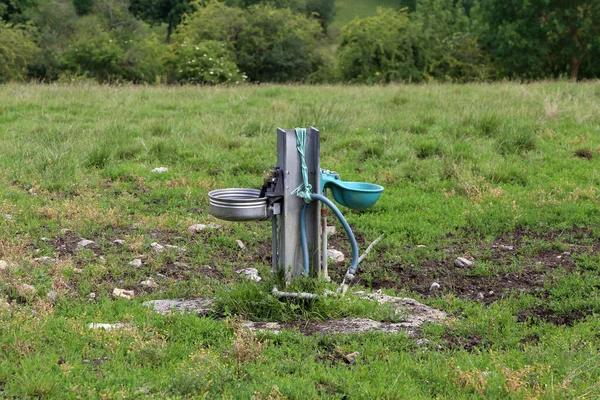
356 195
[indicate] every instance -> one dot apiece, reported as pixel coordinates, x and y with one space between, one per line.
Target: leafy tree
269 44
383 48
83 7
17 49
161 11
452 52
213 21
278 45
540 38
14 10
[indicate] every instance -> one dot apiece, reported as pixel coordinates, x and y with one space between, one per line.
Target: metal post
289 247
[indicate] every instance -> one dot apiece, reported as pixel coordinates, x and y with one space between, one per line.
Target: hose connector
348 277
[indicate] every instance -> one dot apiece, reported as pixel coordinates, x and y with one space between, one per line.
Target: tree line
212 42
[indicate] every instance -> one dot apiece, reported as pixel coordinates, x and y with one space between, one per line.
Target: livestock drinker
293 197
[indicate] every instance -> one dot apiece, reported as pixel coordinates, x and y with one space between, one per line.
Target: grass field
505 174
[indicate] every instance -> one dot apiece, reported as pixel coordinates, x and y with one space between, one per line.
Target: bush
278 45
96 54
17 50
205 62
269 44
383 48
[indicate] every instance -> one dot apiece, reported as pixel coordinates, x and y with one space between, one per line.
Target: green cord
305 188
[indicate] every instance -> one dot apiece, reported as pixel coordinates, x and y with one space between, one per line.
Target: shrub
205 62
278 45
383 48
96 54
270 44
17 49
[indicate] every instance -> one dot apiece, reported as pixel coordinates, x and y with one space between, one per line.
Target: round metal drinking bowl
238 204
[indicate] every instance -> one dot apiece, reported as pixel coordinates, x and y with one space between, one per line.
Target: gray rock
199 305
330 230
160 170
200 227
462 262
157 247
149 283
83 243
52 295
421 246
92 296
435 286
250 273
505 247
119 242
3 265
136 263
108 327
336 255
170 246
126 294
240 244
480 296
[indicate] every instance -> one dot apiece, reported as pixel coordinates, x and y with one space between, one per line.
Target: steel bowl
238 204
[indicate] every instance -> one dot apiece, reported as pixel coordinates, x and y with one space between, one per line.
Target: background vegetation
506 174
150 41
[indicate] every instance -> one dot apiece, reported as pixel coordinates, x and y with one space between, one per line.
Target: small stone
51 295
44 259
330 230
423 342
434 286
250 273
26 290
136 263
45 239
491 293
85 361
8 216
558 257
157 247
77 270
83 243
118 242
566 253
200 227
3 265
480 296
150 284
336 255
463 262
505 247
126 294
240 244
421 246
170 246
108 327
351 358
92 296
160 170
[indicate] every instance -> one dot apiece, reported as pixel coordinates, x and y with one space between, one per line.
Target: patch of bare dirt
544 314
508 250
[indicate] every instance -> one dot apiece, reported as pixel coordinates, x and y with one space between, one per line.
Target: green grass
466 168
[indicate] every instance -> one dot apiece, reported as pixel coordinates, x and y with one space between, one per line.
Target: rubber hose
353 244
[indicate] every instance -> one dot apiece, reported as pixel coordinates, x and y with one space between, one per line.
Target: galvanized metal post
289 247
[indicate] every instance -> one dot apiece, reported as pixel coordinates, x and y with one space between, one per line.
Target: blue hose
349 232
